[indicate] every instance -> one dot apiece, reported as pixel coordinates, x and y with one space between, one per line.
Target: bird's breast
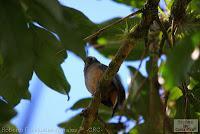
92 77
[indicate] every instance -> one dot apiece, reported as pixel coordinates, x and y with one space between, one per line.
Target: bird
114 94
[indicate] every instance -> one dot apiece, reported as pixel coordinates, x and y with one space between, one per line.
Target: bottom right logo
185 125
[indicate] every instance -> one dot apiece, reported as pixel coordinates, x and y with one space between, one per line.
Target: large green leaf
178 63
16 50
80 25
70 21
53 6
6 113
49 56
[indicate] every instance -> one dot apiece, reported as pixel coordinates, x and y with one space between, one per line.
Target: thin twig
110 25
173 32
164 31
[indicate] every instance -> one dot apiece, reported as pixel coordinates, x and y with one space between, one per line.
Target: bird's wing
117 83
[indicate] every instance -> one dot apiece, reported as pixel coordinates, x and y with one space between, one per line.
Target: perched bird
114 94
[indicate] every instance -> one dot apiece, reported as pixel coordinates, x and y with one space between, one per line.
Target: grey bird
114 94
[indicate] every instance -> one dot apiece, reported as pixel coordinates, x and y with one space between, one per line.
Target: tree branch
148 16
104 125
106 78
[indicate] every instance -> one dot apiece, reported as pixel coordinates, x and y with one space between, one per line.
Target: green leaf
169 3
71 20
80 25
49 56
16 51
175 93
6 112
53 6
178 63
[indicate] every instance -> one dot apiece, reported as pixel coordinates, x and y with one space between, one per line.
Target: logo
185 125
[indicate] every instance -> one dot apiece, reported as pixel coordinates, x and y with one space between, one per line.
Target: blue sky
49 107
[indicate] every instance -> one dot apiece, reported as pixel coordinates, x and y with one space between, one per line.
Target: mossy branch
150 11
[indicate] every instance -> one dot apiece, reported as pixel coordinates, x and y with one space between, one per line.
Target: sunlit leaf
175 93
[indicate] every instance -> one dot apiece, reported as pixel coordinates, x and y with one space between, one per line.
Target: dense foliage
35 35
